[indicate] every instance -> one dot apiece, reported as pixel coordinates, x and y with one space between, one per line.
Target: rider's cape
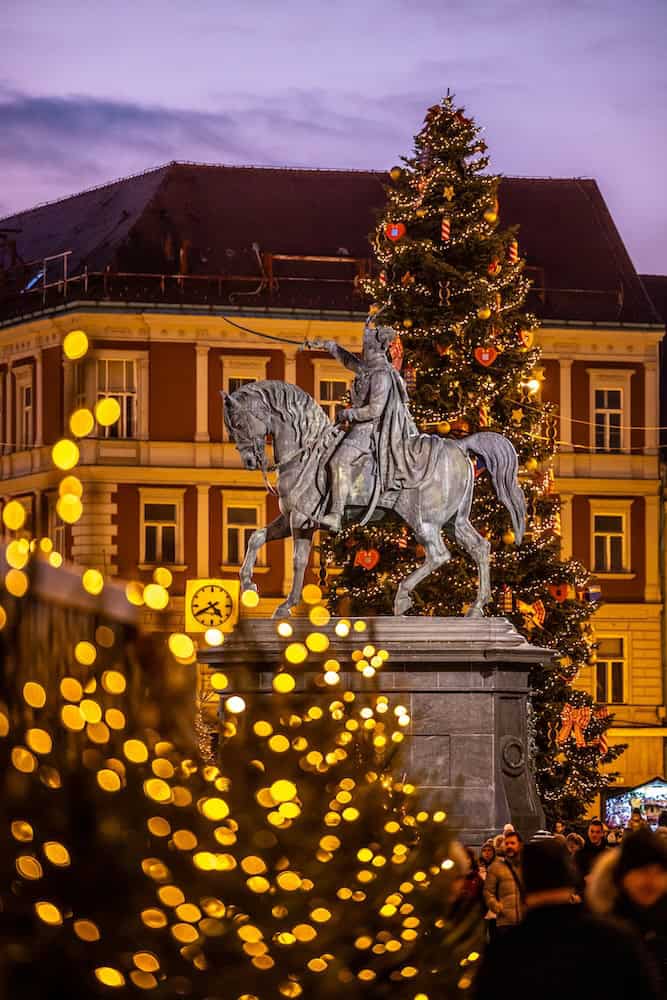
404 458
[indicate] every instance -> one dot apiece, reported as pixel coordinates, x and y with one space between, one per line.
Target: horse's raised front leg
437 553
303 540
479 548
279 528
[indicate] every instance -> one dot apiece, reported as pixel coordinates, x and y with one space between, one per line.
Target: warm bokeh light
81 422
311 594
213 637
85 653
16 582
13 515
93 581
296 652
107 411
156 597
283 683
75 345
70 484
163 576
235 704
69 508
181 645
55 560
284 630
134 592
65 454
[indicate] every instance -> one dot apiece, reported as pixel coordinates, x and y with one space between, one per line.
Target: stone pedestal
465 685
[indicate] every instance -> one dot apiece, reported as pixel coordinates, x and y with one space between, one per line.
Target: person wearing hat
630 884
559 949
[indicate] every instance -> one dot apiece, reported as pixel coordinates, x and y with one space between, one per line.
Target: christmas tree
293 863
451 280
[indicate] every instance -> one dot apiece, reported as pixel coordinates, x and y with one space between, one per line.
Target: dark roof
206 219
656 286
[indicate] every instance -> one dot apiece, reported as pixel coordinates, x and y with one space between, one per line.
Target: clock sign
211 604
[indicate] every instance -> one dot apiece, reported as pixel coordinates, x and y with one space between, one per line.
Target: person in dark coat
559 950
630 884
595 846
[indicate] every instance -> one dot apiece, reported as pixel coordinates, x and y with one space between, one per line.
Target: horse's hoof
402 604
249 586
282 611
474 612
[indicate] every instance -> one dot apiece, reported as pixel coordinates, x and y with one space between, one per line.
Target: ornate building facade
189 280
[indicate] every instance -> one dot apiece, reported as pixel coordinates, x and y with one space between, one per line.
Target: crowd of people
574 916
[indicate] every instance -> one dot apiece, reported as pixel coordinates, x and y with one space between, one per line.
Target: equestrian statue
371 461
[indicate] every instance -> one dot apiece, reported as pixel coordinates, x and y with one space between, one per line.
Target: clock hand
214 608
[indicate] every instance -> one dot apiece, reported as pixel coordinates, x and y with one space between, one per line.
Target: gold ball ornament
483 312
444 427
530 464
509 537
407 323
491 216
395 173
420 213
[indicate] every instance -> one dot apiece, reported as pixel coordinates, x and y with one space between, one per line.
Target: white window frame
23 379
611 378
612 508
250 499
623 659
169 495
251 367
89 396
329 370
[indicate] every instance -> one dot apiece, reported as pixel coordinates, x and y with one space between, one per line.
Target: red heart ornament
486 355
394 231
367 558
559 591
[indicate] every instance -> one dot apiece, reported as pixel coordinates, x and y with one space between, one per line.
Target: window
238 371
56 529
331 392
242 513
610 671
161 527
24 410
609 402
116 378
608 417
608 537
332 382
121 374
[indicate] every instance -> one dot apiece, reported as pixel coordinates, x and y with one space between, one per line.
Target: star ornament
517 415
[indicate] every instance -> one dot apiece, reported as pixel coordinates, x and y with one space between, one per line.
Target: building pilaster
94 534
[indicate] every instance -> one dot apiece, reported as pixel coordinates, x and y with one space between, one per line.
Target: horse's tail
503 465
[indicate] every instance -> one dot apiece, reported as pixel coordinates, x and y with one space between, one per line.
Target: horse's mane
292 403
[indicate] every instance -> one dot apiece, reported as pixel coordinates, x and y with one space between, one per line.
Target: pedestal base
465 685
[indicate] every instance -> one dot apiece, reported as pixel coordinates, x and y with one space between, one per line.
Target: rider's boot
340 488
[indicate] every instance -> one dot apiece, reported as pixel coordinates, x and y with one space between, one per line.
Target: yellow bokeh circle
181 645
81 422
65 454
235 704
75 345
311 594
16 554
156 596
284 683
85 653
107 411
70 484
213 637
163 576
134 592
296 652
55 560
249 598
93 581
16 582
13 515
69 508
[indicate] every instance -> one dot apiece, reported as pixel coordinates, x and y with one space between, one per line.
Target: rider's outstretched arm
346 358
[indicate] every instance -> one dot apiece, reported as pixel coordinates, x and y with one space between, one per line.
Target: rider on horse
381 427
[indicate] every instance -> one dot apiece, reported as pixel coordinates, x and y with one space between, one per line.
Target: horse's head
247 428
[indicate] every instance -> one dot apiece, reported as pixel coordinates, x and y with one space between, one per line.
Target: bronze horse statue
304 440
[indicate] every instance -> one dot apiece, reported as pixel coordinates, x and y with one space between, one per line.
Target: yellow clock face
211 605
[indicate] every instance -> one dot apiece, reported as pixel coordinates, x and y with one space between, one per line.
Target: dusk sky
93 91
